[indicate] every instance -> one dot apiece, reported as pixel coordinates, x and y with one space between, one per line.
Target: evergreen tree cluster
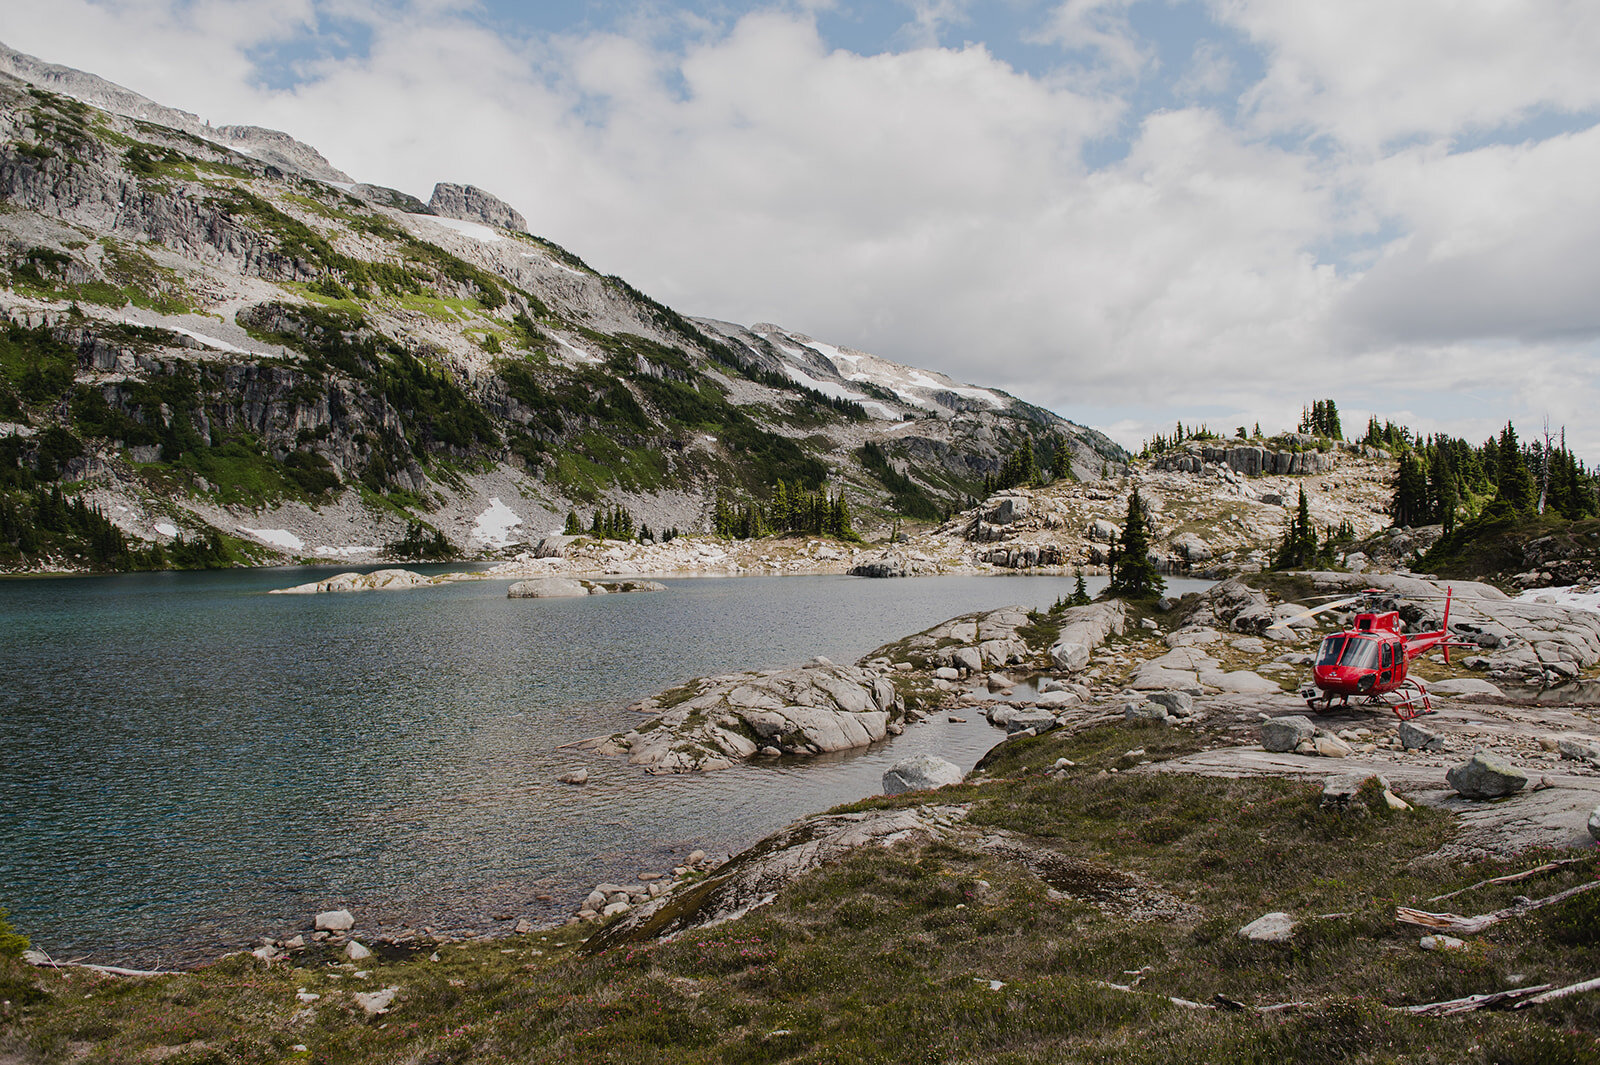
1181 434
1021 467
791 510
1301 547
418 543
613 523
1321 419
906 496
1388 436
1439 477
43 523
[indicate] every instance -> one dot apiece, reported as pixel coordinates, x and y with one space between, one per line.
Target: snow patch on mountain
475 230
493 527
276 537
831 370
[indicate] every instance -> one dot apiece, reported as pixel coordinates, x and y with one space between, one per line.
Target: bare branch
1514 877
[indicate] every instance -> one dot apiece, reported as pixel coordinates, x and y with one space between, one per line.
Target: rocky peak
471 204
268 145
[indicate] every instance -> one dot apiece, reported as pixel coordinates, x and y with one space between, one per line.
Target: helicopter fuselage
1368 659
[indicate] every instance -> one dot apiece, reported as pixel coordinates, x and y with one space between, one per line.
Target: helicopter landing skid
1313 696
1408 701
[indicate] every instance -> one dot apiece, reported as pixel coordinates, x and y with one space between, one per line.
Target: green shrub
12 943
1576 922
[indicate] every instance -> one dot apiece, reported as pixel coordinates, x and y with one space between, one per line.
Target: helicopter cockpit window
1350 651
1360 654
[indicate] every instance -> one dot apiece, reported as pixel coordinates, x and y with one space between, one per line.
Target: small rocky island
572 588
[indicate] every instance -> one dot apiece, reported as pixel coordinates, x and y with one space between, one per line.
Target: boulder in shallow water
547 588
919 773
1038 720
335 921
572 588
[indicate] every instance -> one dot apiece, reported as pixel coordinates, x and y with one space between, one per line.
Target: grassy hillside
1116 941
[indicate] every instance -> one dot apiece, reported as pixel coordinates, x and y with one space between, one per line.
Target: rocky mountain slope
1208 518
213 331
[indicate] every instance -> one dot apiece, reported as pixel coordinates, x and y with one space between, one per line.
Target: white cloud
1099 29
933 205
1211 70
1501 242
930 19
1370 71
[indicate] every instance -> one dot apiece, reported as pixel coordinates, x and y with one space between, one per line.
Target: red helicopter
1371 660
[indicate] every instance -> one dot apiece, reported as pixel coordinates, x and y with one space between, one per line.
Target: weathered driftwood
1514 877
1453 922
1475 1002
1560 992
1519 998
1218 1001
109 970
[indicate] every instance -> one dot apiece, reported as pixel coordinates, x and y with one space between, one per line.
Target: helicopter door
1386 674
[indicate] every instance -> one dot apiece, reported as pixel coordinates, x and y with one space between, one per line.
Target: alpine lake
190 763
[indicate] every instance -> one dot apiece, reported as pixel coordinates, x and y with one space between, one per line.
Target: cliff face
213 330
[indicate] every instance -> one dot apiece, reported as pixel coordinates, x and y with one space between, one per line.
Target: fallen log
1454 922
1518 998
1475 1002
1560 992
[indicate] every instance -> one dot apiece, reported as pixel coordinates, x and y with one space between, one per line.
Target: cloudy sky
1129 211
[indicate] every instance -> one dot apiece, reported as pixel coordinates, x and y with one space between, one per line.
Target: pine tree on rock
1409 505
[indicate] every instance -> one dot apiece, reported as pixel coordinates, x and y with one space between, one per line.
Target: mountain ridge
239 346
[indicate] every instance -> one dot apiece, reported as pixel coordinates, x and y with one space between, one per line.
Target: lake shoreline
422 773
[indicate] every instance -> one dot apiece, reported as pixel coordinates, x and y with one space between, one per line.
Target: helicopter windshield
1352 652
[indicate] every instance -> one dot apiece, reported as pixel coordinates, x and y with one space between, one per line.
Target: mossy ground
889 955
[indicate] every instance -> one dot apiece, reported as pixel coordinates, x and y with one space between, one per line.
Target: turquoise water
189 763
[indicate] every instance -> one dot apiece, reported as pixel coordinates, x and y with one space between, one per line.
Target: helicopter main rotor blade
1335 605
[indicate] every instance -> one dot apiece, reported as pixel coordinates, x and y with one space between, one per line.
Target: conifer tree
1409 504
1443 495
780 507
573 527
1513 483
1132 573
1299 548
1080 591
1061 461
